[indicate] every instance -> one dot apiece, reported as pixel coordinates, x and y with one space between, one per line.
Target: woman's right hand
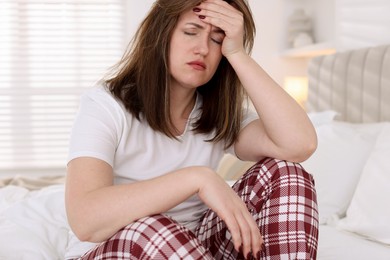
223 200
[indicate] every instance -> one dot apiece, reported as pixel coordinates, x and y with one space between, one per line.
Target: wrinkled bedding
33 222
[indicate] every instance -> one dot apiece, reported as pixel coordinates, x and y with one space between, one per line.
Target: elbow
83 230
305 150
85 234
82 236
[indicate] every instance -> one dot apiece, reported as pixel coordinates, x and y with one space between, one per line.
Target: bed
349 104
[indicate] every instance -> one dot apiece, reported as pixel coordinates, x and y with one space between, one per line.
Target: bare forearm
97 215
284 121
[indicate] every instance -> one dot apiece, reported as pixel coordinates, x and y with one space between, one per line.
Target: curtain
50 52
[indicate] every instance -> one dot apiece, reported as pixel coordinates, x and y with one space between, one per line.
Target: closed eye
216 41
189 33
217 35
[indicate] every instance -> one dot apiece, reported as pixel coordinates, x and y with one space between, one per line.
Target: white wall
324 19
362 23
136 11
271 19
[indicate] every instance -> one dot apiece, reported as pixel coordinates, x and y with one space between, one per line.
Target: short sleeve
96 128
248 116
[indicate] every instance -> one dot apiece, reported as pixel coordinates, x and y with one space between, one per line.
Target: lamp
297 87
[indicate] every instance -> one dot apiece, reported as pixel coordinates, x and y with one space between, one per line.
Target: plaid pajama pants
281 197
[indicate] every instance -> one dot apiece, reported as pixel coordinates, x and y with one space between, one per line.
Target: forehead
189 17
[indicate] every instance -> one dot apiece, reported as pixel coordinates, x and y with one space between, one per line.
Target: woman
141 181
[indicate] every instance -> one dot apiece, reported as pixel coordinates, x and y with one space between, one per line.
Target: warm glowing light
297 87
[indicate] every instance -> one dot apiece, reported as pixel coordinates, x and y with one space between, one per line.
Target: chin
193 84
191 81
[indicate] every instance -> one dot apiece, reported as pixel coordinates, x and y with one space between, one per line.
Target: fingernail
196 9
248 256
240 249
258 255
202 16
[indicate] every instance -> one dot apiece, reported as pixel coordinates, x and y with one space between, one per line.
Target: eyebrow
216 29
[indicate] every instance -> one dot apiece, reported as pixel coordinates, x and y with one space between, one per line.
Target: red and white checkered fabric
281 197
154 237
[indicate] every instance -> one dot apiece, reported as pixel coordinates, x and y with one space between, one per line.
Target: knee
290 182
271 178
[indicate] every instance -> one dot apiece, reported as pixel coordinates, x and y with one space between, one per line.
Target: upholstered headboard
354 83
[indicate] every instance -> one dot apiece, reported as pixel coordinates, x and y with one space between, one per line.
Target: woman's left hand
224 16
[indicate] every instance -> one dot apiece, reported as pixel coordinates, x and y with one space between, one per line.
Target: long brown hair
141 79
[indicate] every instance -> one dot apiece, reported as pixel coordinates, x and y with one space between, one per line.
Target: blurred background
52 50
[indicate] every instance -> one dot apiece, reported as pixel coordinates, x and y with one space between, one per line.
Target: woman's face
195 51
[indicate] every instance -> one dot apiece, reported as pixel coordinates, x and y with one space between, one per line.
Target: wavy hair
141 78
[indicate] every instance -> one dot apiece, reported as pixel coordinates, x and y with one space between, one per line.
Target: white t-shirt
104 129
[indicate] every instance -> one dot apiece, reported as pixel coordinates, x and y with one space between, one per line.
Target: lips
198 65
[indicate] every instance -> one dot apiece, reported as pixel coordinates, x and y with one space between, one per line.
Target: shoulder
99 104
100 96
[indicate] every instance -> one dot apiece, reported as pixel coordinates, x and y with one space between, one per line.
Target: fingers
225 202
256 238
220 14
244 230
224 16
234 229
246 235
219 6
251 236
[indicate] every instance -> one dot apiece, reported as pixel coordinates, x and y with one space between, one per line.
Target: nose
202 45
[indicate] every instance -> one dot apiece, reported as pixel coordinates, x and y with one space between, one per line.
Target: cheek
176 52
175 57
172 57
178 41
173 46
216 59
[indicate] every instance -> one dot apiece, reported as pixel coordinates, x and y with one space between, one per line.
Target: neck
182 103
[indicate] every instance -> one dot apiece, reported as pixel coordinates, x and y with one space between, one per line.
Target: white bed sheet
354 247
33 224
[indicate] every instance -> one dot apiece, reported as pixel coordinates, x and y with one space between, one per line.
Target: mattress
354 247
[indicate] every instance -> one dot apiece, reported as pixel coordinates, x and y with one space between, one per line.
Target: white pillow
320 118
337 164
369 212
